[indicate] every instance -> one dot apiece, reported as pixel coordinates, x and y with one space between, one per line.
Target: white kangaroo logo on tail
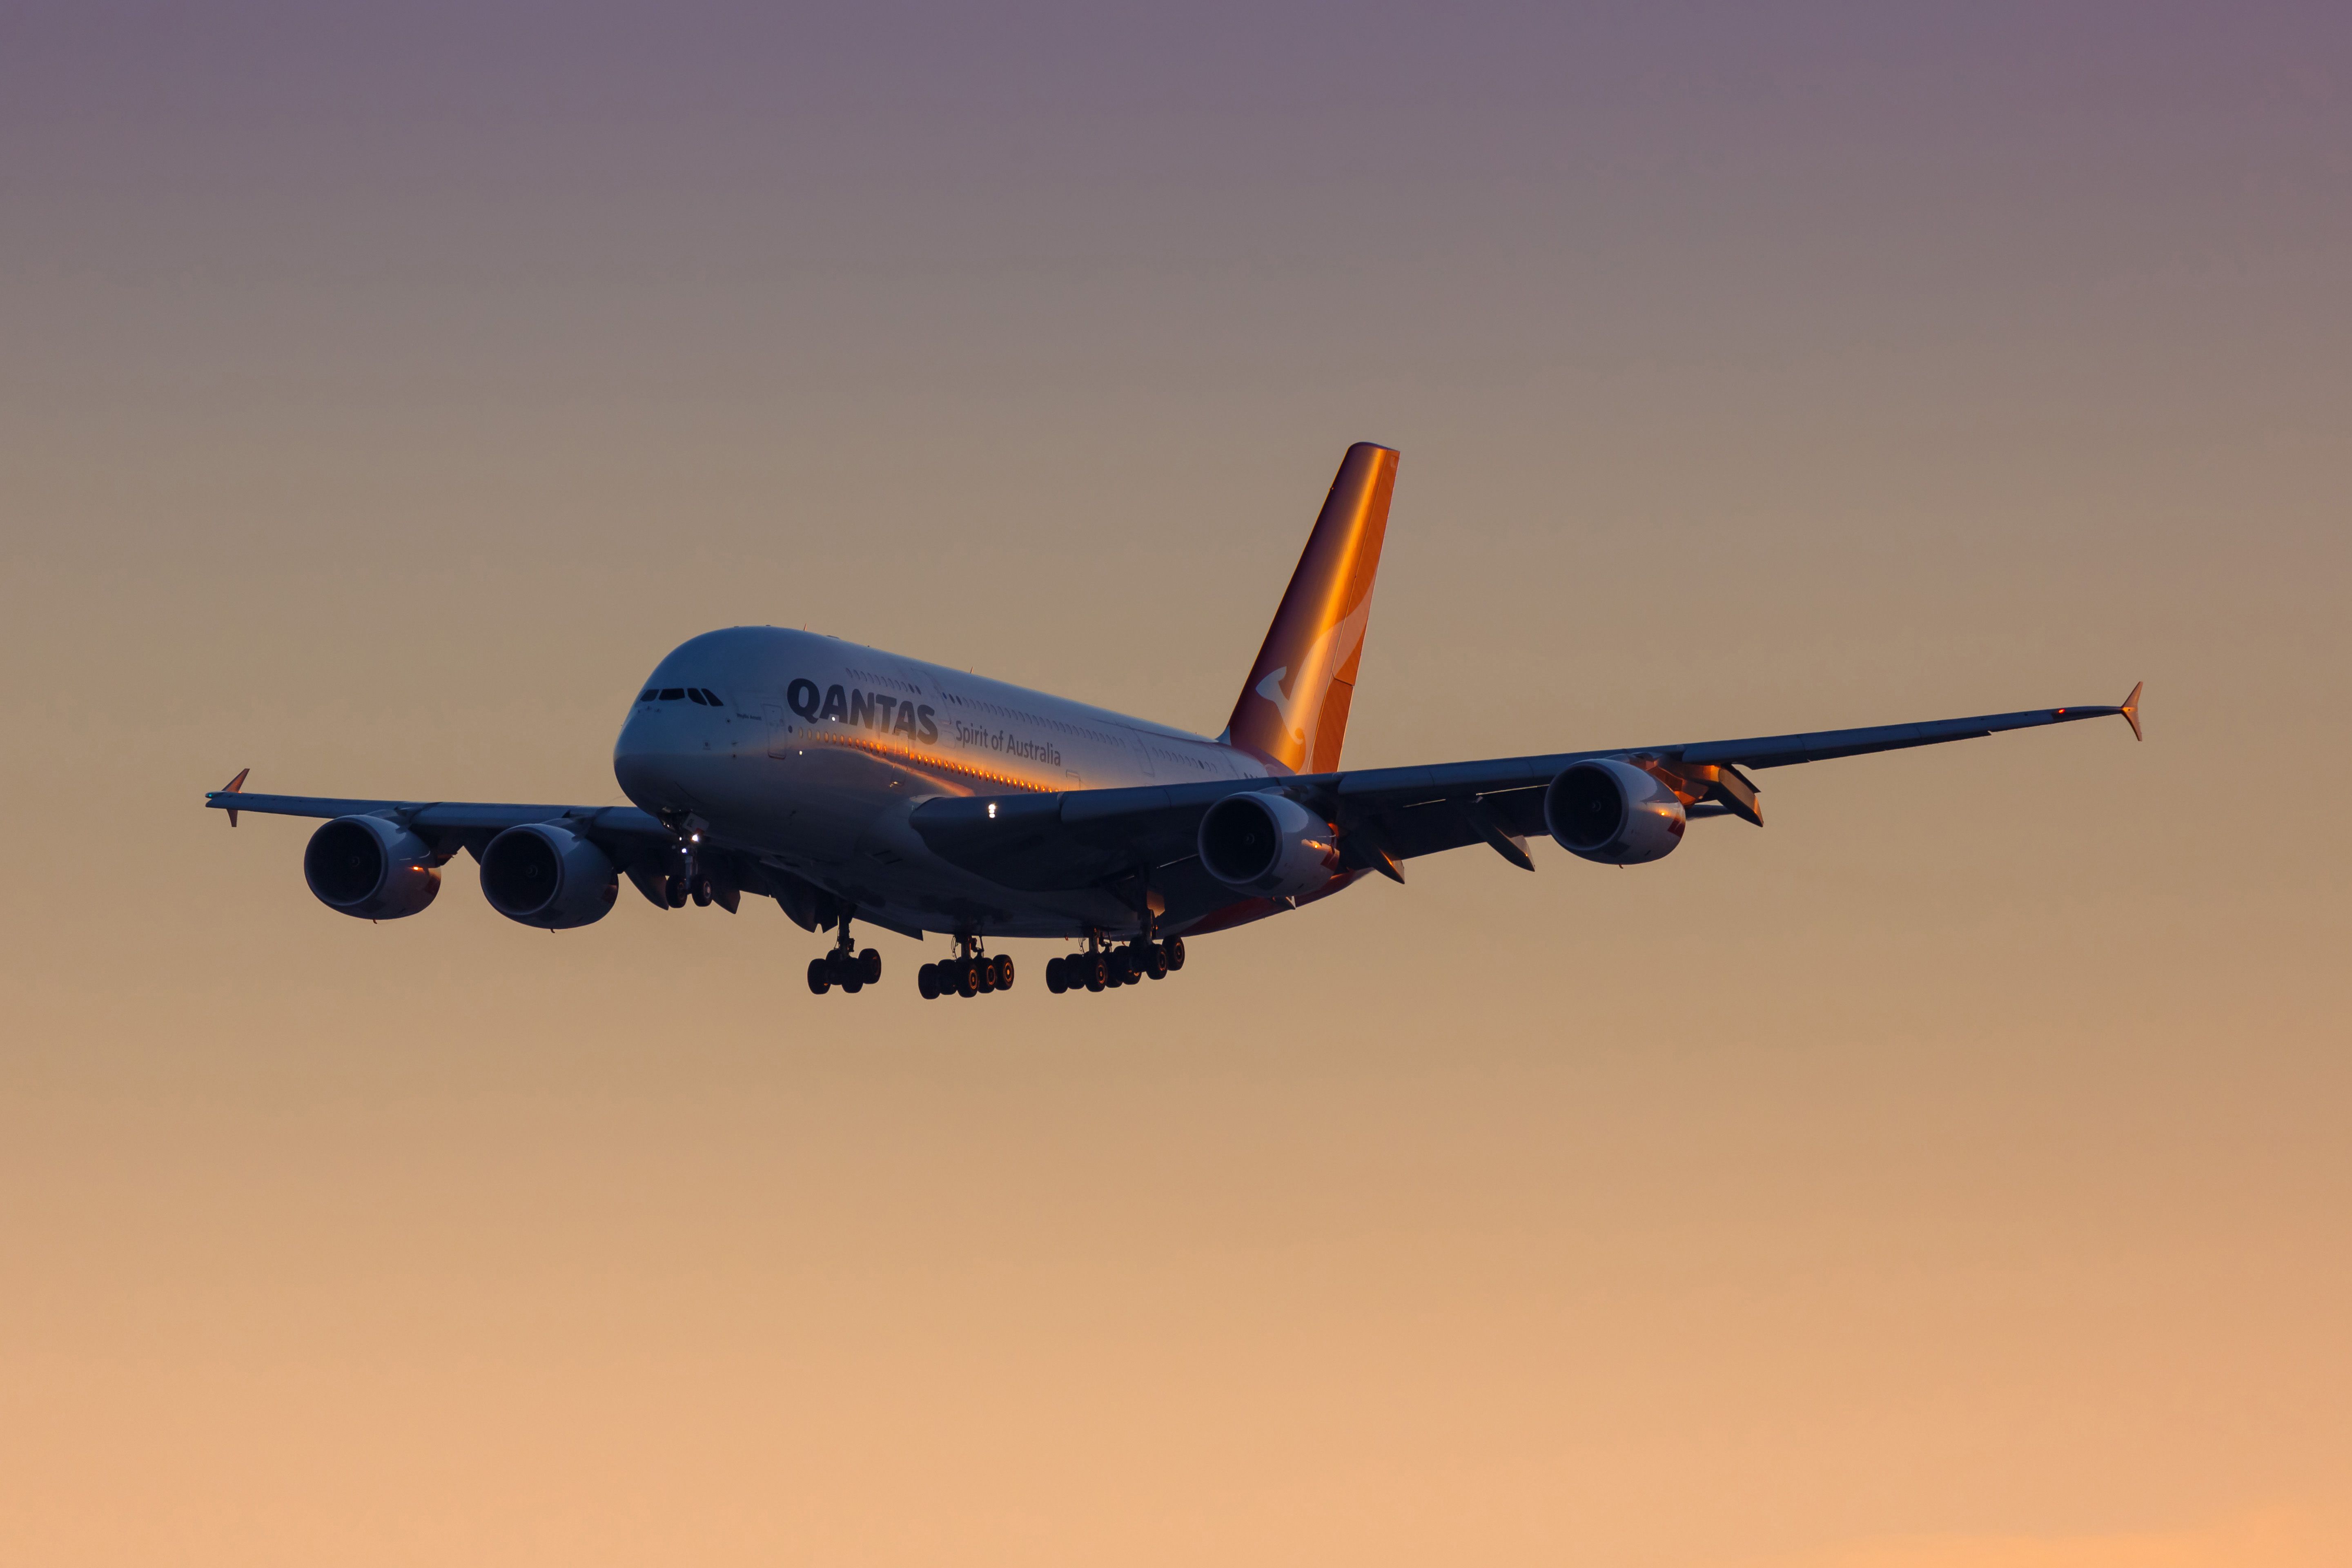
1324 656
1271 690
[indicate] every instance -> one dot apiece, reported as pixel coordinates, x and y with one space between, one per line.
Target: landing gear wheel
673 889
927 981
1004 971
968 977
1121 971
700 890
1053 980
820 976
1153 961
869 967
1093 972
1174 950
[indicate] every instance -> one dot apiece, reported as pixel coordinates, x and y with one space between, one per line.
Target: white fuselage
819 749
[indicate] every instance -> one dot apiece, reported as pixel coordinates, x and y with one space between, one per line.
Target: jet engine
1613 812
370 867
548 876
1267 844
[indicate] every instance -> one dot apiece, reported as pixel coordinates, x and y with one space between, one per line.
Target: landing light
991 811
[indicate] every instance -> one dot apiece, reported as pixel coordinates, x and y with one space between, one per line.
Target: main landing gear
1102 967
853 971
966 975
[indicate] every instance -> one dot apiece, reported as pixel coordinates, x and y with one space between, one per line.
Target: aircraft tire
1055 981
1173 948
927 981
968 977
820 976
1003 972
869 967
1093 972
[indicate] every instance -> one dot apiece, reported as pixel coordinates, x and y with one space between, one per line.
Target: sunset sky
1953 1173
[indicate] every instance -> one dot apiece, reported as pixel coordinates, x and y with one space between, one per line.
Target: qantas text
877 711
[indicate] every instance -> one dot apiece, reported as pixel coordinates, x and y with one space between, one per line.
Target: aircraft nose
638 759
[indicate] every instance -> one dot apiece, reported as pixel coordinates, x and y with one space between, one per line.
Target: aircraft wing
449 824
1385 815
635 840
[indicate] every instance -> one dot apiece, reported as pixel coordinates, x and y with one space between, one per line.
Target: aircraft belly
839 819
889 867
807 809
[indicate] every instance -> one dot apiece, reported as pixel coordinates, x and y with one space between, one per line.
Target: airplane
851 784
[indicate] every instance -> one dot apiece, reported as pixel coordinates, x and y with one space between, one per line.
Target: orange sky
1951 1174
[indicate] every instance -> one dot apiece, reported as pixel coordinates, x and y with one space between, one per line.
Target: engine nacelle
1267 844
370 867
1613 812
547 875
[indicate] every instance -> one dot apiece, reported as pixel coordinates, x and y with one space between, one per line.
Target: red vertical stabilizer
1293 710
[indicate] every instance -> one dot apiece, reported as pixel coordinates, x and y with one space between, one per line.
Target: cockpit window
648 694
712 698
694 695
672 693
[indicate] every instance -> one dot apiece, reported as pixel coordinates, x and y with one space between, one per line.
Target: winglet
2130 711
237 784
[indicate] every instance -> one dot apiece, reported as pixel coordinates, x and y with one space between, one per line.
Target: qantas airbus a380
851 784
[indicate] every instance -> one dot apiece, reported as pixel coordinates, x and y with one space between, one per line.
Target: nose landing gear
683 876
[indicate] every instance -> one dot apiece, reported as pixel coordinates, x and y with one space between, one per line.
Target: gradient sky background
1953 1173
